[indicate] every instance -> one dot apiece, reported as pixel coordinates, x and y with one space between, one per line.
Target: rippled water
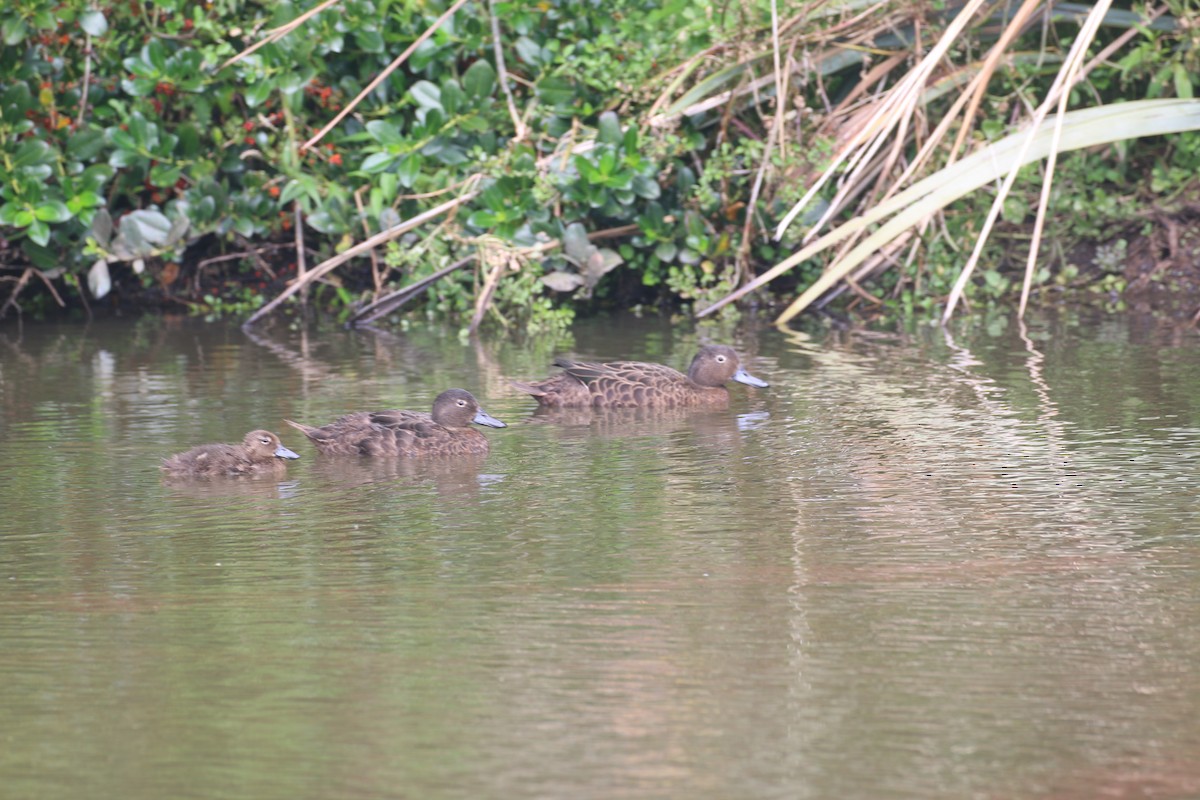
932 563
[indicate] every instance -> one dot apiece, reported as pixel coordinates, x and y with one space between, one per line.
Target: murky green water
919 565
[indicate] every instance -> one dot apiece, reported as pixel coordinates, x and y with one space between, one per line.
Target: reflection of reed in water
458 476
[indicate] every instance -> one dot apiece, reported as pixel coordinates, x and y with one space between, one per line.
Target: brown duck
445 432
259 452
635 384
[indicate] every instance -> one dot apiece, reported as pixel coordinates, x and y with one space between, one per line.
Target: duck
259 452
446 431
637 384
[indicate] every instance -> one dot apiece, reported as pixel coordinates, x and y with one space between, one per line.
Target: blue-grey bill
484 418
283 452
741 376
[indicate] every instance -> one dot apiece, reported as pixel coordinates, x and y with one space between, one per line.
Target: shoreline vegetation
510 164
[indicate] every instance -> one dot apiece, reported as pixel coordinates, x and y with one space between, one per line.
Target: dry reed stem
867 141
976 89
1073 75
1078 50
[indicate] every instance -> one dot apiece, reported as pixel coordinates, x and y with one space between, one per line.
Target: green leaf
556 91
388 183
479 80
53 211
164 175
426 94
121 139
377 162
646 188
156 53
32 152
84 200
384 132
93 23
453 97
139 129
322 222
575 242
529 51
610 128
482 219
292 191
587 170
257 93
1183 82
13 30
369 41
39 232
8 214
86 144
409 170
43 258
152 226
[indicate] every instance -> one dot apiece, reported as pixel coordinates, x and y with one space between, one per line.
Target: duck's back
209 460
392 433
638 384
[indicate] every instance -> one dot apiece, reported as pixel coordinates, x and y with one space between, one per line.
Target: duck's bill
283 452
484 418
741 376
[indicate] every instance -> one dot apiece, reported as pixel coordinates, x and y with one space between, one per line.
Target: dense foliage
135 161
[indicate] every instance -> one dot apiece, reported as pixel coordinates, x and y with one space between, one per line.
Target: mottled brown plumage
636 384
260 452
445 432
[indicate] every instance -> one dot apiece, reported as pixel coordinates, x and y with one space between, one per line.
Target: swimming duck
445 432
259 452
636 384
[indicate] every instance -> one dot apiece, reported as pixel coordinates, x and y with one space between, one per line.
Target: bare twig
275 34
394 300
87 79
301 259
362 247
375 276
502 72
489 288
382 76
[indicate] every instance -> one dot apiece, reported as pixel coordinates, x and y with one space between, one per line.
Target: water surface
935 563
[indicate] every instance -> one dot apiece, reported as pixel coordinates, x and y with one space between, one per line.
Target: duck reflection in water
457 478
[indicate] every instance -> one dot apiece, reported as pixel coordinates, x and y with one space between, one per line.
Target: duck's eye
264 441
720 359
462 403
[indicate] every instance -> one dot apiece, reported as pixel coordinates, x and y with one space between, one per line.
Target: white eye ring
462 402
720 359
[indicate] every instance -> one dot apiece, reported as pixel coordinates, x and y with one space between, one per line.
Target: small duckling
259 452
